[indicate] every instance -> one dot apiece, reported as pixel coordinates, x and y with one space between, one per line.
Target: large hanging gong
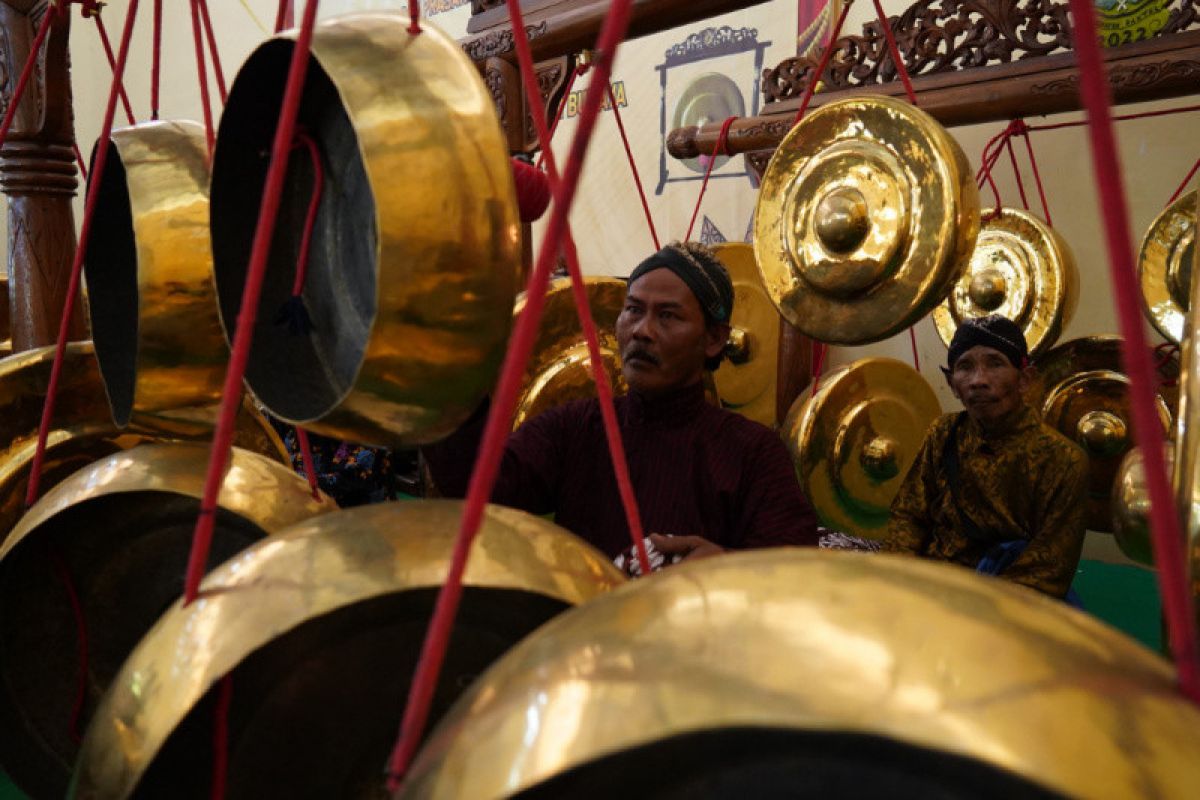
804 674
319 630
1021 269
867 214
746 379
1131 505
1165 266
559 368
152 304
83 429
854 438
416 244
1082 392
90 568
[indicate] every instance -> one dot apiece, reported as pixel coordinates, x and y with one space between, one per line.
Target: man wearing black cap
993 488
705 479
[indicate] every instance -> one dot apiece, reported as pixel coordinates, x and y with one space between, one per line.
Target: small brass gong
867 214
1131 506
1165 266
1021 269
853 440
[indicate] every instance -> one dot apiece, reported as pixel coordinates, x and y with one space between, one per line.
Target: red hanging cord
212 49
814 77
720 147
1164 519
580 69
156 60
247 314
35 49
912 338
85 230
495 435
202 73
284 15
64 577
637 179
1037 176
220 738
293 313
91 8
582 307
1119 118
79 160
897 59
414 17
310 466
1187 179
819 351
1012 158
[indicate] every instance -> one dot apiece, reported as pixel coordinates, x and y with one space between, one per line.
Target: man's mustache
641 353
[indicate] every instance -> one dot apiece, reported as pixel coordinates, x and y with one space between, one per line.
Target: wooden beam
563 27
1164 67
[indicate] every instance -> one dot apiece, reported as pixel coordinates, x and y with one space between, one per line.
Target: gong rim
127 572
884 206
1131 506
1163 266
152 305
916 652
408 341
309 570
691 111
559 369
747 377
1022 269
853 440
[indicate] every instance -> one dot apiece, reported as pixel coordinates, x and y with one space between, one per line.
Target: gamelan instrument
1082 392
1131 506
711 97
410 281
318 632
151 299
87 571
747 378
1021 269
1186 435
866 216
1165 266
784 673
853 438
559 368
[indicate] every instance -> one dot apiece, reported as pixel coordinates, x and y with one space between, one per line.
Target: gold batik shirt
1027 481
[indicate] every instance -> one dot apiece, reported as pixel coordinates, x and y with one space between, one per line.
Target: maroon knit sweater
696 469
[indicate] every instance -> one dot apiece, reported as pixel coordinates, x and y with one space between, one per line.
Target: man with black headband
706 479
994 488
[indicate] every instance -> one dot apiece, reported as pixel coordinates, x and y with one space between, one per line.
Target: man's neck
1002 425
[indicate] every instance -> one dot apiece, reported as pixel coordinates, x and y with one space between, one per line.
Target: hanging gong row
311 618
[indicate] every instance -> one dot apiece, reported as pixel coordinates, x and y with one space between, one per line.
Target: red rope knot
89 8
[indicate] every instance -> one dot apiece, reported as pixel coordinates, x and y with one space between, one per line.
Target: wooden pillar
37 173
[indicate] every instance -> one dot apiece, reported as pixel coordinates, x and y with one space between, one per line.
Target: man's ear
1028 376
716 336
946 374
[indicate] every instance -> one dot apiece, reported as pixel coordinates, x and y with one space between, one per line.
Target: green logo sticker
1125 21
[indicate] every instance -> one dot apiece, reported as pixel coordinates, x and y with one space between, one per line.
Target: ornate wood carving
500 41
757 162
504 82
480 6
1136 77
37 172
937 36
552 80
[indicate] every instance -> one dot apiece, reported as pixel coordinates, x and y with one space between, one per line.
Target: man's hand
684 547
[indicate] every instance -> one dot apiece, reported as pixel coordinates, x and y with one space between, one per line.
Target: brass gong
809 674
152 304
121 529
1165 266
746 379
853 440
559 368
319 629
416 245
867 214
1186 472
1021 269
83 428
708 98
1131 506
1083 393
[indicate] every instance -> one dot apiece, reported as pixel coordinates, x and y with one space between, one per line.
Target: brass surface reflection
1021 269
152 303
920 653
747 378
1165 266
1131 506
559 368
83 429
1082 392
416 244
854 438
867 214
306 573
1186 474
